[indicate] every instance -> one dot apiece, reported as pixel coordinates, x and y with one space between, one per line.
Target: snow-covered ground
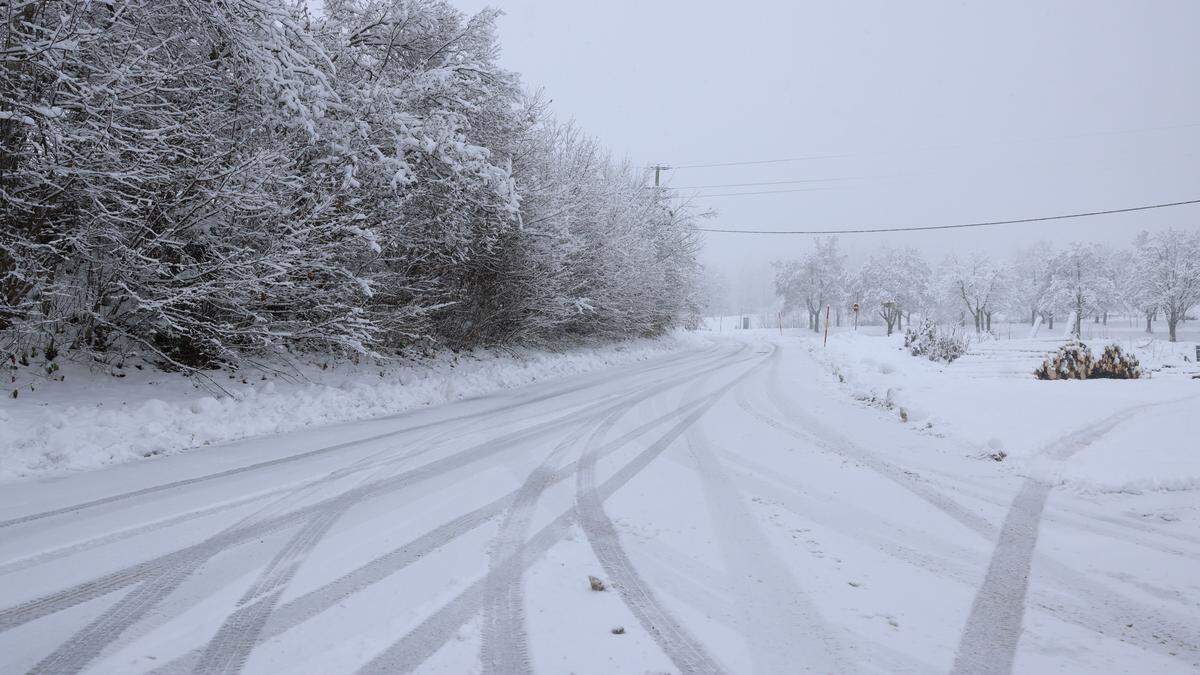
751 502
95 417
988 401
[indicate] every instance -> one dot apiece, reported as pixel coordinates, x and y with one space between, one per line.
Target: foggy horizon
915 98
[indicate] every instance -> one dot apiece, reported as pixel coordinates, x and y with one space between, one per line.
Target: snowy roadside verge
93 419
989 402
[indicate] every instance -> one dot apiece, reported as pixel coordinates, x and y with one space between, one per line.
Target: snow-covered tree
1133 294
892 282
1080 281
1028 288
207 180
816 280
1168 273
976 283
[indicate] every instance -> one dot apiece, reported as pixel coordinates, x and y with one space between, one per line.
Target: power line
777 182
804 158
910 174
759 161
959 225
760 192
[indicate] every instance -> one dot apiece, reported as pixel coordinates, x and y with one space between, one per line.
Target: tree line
215 180
1158 275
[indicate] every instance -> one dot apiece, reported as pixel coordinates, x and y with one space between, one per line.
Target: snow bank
989 401
1155 450
94 419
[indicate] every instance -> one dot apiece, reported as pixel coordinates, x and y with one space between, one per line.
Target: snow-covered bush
937 343
1116 364
1074 361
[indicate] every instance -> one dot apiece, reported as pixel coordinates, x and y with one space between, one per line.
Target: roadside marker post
855 308
826 342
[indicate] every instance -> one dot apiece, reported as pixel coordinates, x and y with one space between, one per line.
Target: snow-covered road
743 511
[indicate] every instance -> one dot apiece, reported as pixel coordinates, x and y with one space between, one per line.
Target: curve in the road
504 644
424 640
665 362
158 577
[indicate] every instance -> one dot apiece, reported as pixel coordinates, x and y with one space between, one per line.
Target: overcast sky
947 111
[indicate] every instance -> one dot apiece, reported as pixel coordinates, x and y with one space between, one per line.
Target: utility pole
658 169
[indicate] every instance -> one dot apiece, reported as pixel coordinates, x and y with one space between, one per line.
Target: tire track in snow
1123 528
317 601
321 599
73 655
813 430
989 640
684 650
120 535
31 610
504 645
85 645
175 568
667 362
228 650
784 630
161 577
1143 626
409 652
504 641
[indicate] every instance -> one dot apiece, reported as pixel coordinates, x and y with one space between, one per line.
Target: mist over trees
891 283
1168 274
1157 275
813 282
210 180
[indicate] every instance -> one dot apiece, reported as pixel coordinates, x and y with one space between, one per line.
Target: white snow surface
988 401
95 418
746 508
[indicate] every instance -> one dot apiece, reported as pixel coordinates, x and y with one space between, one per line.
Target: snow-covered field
988 401
752 502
